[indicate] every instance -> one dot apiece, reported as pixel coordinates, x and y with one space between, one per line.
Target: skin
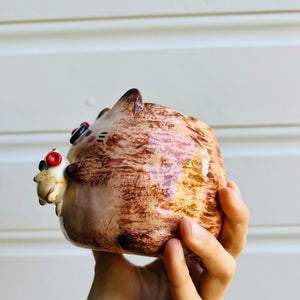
206 277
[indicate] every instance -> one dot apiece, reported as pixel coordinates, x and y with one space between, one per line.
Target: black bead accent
78 133
42 165
88 133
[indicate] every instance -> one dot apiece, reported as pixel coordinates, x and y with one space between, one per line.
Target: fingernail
233 186
235 196
178 247
198 232
174 248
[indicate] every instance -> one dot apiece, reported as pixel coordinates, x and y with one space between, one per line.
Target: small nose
42 165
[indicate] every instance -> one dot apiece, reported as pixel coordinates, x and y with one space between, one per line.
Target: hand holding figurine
140 177
206 276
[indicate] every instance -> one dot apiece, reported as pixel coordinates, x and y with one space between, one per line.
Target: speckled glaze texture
135 173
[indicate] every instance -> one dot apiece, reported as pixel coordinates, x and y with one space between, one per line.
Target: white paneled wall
232 64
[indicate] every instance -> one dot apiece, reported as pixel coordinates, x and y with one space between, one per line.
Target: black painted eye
78 133
42 165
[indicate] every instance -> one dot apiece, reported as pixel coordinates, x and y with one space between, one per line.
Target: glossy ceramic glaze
135 173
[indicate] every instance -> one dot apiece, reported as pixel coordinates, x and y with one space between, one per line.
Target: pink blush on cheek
91 138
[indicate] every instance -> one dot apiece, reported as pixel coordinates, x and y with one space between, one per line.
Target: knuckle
228 270
231 268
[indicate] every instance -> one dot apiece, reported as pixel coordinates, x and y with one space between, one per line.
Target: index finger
234 232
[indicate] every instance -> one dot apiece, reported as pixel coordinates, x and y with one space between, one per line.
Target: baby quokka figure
51 180
133 175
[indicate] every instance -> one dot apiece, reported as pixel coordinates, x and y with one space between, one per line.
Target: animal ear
133 96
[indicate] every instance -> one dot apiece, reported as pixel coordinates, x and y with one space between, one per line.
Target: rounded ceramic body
135 173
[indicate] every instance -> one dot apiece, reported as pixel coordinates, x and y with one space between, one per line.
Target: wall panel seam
151 34
240 142
261 239
151 16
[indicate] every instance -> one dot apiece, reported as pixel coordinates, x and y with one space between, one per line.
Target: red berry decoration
74 130
85 123
53 159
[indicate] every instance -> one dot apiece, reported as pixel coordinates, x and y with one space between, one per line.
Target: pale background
233 64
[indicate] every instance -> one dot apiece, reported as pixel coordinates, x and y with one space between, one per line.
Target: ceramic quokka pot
134 174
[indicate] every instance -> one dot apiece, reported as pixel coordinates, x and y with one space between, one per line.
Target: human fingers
219 265
234 232
180 282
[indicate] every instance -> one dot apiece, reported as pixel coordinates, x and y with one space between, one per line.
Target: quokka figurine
134 174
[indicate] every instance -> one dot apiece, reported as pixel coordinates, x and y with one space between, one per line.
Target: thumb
181 284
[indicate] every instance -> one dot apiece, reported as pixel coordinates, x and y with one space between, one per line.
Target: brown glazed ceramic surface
135 173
